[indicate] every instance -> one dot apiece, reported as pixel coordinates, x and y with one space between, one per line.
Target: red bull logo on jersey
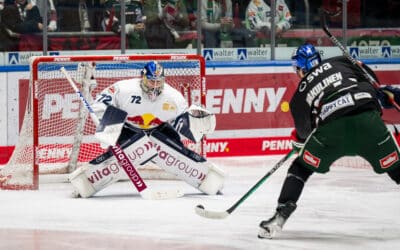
145 121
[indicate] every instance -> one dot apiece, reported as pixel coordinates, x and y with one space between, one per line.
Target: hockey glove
385 94
297 143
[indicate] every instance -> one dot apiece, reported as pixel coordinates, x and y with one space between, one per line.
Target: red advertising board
252 111
244 103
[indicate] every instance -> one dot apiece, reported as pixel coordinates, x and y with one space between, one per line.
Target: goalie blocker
167 153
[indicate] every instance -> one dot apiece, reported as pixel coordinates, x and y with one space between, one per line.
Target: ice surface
345 209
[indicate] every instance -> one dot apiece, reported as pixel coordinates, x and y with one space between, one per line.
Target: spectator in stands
19 17
2 46
135 21
217 23
258 16
80 15
165 19
241 36
240 7
51 12
191 8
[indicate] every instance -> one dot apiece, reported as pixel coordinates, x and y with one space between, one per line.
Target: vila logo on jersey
389 160
311 159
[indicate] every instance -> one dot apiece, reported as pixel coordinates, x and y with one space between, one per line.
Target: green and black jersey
333 89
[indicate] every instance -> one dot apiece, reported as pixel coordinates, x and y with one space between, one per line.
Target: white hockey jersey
258 15
142 112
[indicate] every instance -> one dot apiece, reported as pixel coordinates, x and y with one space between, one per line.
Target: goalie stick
120 155
200 210
323 16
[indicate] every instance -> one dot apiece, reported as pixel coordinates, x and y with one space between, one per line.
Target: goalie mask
305 58
153 79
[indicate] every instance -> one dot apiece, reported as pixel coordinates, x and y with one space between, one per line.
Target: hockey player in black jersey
336 112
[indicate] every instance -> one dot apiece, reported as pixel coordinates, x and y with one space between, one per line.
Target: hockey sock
294 183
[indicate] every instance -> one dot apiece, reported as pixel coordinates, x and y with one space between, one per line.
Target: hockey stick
200 210
120 155
88 85
323 16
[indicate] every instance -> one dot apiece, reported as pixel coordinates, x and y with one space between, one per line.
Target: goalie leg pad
99 173
89 179
79 180
214 180
187 165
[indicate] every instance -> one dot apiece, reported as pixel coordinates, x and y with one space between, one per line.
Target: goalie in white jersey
157 115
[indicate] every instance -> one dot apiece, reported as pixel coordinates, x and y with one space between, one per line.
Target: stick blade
161 194
200 210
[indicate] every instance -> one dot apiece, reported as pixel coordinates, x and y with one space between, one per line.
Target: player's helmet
305 57
152 79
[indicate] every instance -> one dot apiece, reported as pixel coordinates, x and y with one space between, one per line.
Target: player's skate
269 228
273 226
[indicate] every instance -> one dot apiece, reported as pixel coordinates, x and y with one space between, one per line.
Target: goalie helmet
305 58
153 79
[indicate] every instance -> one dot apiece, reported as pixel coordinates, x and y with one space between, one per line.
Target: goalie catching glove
195 123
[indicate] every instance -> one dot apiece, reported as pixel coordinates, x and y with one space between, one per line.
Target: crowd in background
161 24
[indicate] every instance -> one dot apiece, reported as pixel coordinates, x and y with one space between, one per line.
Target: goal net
57 135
